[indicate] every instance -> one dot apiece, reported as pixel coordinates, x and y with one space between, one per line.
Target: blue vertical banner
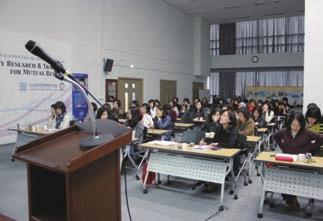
79 105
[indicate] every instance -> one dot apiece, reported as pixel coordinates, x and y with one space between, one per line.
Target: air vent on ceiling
274 14
238 18
232 7
260 3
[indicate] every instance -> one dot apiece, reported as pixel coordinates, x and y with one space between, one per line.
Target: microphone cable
126 186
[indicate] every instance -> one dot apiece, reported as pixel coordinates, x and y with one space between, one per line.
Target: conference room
184 110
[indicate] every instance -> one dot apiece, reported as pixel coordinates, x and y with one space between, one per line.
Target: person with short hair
62 119
102 113
52 119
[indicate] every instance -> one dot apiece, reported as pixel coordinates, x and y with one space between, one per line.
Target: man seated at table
296 139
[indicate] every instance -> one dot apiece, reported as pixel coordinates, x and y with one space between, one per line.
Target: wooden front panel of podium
67 183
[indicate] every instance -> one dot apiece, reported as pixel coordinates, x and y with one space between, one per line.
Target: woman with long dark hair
296 139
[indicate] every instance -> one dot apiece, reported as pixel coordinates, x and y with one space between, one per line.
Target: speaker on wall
108 65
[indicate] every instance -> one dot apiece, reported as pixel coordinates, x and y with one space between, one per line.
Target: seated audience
296 139
246 124
186 108
175 101
164 121
173 107
267 112
152 108
51 124
258 118
135 103
227 133
147 119
102 113
198 110
212 123
135 122
281 109
251 105
205 102
313 118
62 119
157 102
117 111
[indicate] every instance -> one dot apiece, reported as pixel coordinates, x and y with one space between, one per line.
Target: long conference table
176 159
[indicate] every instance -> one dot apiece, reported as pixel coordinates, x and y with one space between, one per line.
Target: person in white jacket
62 119
267 112
147 119
152 108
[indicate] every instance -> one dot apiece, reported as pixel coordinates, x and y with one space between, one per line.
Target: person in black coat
212 124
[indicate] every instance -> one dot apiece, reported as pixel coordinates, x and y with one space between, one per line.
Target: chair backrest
242 142
193 136
187 118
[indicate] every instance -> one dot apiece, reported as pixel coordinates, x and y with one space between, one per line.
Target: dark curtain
227 39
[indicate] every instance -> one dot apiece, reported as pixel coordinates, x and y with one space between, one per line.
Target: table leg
145 182
261 206
233 179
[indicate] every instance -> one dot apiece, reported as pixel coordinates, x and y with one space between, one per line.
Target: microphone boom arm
90 109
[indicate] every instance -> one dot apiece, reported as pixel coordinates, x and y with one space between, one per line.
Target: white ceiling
226 11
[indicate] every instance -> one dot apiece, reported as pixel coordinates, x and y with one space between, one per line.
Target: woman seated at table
313 118
52 119
62 119
226 136
296 139
246 125
117 111
173 107
147 119
164 121
267 112
212 123
198 110
258 118
102 113
135 122
281 109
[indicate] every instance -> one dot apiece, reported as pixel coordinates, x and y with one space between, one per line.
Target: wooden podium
67 183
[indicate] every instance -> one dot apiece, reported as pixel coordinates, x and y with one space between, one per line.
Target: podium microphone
33 48
62 74
95 139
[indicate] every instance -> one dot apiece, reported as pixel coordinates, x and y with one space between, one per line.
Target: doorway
129 89
195 88
168 90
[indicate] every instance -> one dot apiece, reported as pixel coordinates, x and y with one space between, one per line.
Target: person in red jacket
296 139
